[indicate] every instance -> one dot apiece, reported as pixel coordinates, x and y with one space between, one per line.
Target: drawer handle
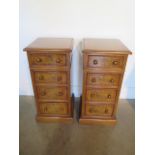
109 96
39 60
60 93
41 77
92 95
115 62
93 80
45 109
95 62
58 60
43 93
59 78
106 111
90 110
111 81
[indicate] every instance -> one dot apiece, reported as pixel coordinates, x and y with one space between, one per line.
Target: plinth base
54 119
97 121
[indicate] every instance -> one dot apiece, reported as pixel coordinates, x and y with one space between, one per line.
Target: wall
78 19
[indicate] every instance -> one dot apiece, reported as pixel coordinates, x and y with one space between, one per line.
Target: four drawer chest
50 61
103 69
104 62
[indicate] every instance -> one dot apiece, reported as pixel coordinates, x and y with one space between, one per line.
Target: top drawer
101 61
45 59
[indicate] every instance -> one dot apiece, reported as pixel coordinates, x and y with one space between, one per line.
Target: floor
74 139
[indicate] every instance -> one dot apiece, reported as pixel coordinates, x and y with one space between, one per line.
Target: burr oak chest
49 62
104 62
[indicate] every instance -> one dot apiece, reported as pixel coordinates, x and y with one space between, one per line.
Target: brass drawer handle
92 95
115 62
60 93
45 109
106 111
39 60
41 77
93 80
58 60
95 62
59 78
90 110
111 81
43 93
109 96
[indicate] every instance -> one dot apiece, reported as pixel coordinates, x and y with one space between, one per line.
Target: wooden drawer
52 93
53 108
99 110
103 80
102 61
52 77
101 95
51 59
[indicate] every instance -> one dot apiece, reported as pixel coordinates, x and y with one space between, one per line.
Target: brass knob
106 111
109 96
92 95
90 110
111 80
41 77
38 60
95 62
59 78
43 93
45 109
60 93
115 62
93 80
58 60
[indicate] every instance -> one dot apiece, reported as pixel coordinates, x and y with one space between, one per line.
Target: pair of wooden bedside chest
104 62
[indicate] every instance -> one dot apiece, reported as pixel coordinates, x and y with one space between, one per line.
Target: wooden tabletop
51 44
105 45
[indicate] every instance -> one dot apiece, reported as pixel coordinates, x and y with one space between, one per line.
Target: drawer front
52 93
105 61
50 77
101 79
48 59
99 110
101 95
53 108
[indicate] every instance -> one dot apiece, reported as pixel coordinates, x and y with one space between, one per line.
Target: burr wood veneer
104 65
49 61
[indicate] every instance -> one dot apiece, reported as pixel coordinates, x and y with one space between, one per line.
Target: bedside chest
103 70
49 61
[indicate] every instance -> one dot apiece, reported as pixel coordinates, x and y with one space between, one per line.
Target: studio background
76 19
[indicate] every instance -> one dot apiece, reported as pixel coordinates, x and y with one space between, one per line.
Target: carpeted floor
74 139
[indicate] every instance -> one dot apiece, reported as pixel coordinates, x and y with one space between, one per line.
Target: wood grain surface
50 62
104 66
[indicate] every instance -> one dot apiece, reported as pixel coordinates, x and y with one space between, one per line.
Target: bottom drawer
53 108
99 110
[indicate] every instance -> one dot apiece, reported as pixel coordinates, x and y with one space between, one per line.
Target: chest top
51 44
114 46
